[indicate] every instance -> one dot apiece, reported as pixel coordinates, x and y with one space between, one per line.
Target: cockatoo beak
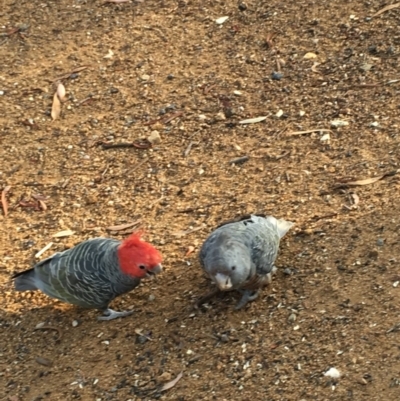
155 270
223 282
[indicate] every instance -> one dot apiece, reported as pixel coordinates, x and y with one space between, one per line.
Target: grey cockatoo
240 255
93 273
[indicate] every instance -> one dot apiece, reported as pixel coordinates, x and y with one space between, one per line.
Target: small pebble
276 76
288 272
154 137
332 372
292 318
1 93
75 323
151 297
242 7
114 90
141 339
380 242
145 77
170 77
224 338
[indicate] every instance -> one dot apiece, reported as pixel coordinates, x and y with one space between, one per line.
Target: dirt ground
133 68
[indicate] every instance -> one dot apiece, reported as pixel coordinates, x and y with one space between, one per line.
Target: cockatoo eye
142 267
233 268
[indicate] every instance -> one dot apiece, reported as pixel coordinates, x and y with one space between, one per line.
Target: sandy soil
133 68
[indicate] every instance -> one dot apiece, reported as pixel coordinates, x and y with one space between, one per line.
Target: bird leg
251 295
110 314
248 296
206 297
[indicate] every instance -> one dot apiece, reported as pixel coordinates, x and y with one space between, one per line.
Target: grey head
228 263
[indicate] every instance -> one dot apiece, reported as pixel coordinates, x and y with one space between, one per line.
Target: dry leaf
42 251
123 226
4 203
310 131
61 91
56 108
387 8
365 181
172 383
253 120
65 233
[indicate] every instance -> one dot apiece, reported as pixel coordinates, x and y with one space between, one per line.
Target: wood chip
387 8
253 120
123 226
42 251
56 107
4 203
65 233
172 383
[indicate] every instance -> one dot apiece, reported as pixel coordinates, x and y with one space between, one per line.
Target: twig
59 332
138 145
188 149
239 160
138 165
387 8
4 200
326 216
176 115
105 171
293 133
43 250
76 70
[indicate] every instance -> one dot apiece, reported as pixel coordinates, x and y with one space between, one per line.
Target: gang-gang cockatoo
240 255
94 272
